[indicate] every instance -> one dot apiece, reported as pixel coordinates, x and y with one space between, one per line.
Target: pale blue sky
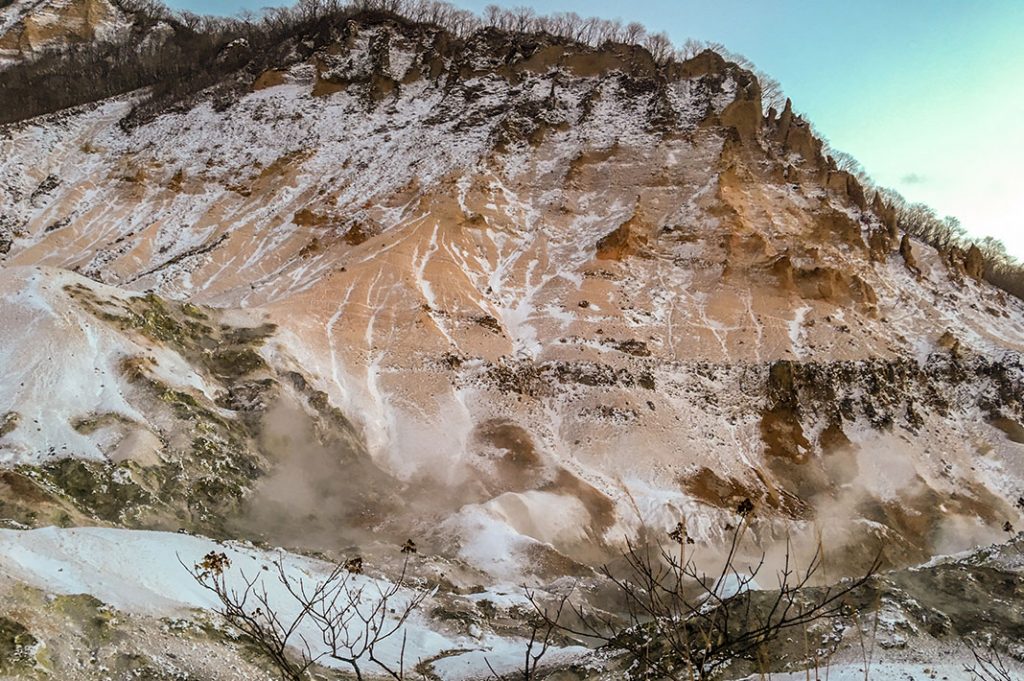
927 94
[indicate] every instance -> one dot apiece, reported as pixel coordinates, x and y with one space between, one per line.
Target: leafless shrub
681 623
543 628
351 615
988 666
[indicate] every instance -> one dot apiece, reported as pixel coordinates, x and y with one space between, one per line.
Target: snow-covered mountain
513 296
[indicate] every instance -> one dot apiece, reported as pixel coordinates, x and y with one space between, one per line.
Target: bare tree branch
353 616
679 623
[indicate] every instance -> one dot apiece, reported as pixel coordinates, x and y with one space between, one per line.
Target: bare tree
190 20
846 162
772 94
681 623
690 49
350 615
522 19
492 15
634 33
608 31
995 252
660 47
952 232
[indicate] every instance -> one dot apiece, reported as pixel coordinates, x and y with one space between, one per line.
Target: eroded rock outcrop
34 27
887 214
847 186
795 136
907 253
974 262
626 240
518 262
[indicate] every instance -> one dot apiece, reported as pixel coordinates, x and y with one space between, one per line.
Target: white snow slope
145 573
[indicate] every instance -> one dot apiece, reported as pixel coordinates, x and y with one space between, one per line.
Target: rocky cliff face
30 27
522 295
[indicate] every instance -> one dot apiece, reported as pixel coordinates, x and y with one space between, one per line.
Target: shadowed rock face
512 283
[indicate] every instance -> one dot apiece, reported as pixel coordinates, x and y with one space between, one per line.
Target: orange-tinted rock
974 262
834 438
783 435
879 244
832 285
55 24
947 341
836 226
781 430
907 251
381 86
729 493
856 192
887 214
306 217
796 137
625 240
706 63
785 121
783 271
269 78
584 62
744 113
846 185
